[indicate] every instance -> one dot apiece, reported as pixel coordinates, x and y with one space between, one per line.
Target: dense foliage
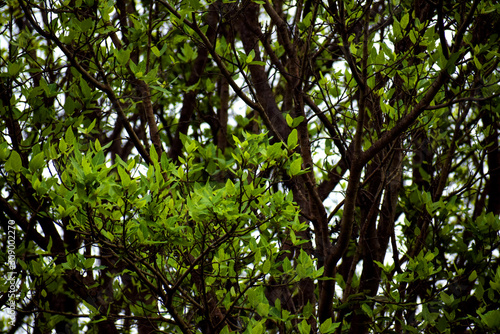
250 166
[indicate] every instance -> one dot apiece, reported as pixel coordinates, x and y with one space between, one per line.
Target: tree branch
94 82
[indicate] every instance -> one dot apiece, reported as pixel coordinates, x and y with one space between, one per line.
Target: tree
219 166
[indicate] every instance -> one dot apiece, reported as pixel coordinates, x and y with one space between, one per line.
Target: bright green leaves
158 53
491 319
139 71
423 265
306 267
396 29
256 151
293 122
84 26
194 4
5 152
188 53
447 299
37 162
292 140
69 137
401 27
257 299
122 56
250 59
328 326
230 222
124 177
296 166
448 64
222 47
14 162
79 262
304 327
13 69
489 316
331 83
405 20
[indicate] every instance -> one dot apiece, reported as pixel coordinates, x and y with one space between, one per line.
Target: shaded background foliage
251 166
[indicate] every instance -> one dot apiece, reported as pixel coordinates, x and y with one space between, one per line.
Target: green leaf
263 309
301 271
69 137
62 145
367 309
306 21
287 265
97 145
328 327
266 267
4 151
293 122
257 62
88 263
472 276
195 4
124 177
155 51
13 69
296 166
297 121
250 56
258 328
85 88
91 307
307 310
133 67
477 63
108 235
447 299
289 120
492 319
230 189
153 154
304 327
14 163
209 85
404 21
123 56
413 36
292 139
188 52
37 162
